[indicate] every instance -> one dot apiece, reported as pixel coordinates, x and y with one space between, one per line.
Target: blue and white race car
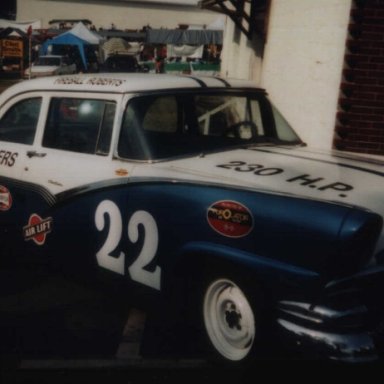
195 192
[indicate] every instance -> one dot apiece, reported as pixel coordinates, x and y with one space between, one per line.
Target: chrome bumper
346 323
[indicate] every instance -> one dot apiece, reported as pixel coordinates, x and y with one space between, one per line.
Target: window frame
190 117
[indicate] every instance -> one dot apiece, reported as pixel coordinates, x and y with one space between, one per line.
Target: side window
150 127
80 125
19 123
161 116
228 116
283 129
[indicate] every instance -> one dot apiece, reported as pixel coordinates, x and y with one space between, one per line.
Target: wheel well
193 270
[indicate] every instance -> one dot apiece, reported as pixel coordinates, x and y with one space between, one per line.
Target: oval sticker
5 199
230 218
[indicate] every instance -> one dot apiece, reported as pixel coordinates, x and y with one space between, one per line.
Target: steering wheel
235 129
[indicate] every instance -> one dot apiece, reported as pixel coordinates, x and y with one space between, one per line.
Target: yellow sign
11 48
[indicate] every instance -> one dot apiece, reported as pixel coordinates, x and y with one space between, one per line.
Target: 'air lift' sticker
230 218
37 229
5 199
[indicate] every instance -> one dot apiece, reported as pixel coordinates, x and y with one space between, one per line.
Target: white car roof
120 83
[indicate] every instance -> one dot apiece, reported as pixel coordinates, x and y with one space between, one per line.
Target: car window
80 125
19 123
157 127
161 116
216 114
282 127
155 116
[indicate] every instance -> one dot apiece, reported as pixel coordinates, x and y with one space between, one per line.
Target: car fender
200 255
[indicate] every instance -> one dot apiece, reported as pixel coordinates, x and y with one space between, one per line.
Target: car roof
121 83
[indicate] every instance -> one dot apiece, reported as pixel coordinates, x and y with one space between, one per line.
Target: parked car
122 63
50 65
10 64
195 195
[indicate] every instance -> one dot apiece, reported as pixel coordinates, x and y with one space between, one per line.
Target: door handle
35 154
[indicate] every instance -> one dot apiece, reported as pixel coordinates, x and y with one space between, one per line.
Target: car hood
330 176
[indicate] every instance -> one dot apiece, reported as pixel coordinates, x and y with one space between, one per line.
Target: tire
232 318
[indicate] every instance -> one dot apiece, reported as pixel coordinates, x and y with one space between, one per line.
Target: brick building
360 120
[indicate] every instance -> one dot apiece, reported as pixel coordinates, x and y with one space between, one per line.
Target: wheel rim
229 319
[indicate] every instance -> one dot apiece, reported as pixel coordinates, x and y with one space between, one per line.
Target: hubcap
229 319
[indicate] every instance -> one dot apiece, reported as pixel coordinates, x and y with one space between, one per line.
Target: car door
19 123
70 165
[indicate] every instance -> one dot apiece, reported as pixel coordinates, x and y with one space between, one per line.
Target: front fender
274 274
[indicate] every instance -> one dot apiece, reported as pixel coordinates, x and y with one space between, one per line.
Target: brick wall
360 118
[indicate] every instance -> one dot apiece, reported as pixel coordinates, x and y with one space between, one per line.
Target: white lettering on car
148 251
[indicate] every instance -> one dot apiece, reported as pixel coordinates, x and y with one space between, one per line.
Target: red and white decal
37 229
5 199
230 218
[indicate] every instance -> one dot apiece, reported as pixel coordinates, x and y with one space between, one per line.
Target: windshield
163 126
55 61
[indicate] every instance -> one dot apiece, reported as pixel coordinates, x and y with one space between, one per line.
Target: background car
122 63
50 65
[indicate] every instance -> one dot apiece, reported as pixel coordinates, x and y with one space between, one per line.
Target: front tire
229 319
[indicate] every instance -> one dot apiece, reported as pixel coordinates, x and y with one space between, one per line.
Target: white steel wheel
229 319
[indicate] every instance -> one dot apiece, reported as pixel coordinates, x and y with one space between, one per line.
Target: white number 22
148 251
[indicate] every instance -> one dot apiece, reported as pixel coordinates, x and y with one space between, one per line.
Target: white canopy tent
81 31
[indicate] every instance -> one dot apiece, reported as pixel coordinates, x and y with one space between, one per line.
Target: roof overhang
250 16
188 36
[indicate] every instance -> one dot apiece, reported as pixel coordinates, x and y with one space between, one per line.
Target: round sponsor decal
5 199
37 229
230 218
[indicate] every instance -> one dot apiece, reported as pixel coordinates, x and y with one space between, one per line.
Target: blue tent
66 38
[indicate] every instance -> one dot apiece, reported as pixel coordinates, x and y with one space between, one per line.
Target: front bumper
345 324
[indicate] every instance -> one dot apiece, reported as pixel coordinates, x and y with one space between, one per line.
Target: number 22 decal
148 251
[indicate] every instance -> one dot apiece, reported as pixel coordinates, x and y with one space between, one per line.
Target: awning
250 16
184 36
72 21
129 36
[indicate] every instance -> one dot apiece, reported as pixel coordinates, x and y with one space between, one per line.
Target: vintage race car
197 194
